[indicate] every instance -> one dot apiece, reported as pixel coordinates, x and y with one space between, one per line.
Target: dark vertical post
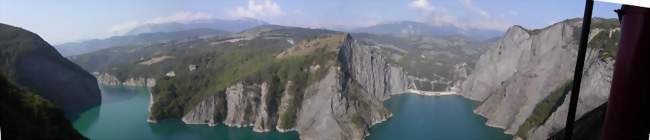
577 74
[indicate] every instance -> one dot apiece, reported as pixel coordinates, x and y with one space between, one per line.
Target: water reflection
91 116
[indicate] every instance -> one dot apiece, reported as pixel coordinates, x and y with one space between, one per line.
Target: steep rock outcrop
343 104
525 67
316 119
263 122
108 79
242 103
595 86
514 76
209 111
283 108
371 70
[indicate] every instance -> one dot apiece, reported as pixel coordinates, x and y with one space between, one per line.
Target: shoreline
427 93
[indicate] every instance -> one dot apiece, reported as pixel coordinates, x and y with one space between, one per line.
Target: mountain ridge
522 80
413 28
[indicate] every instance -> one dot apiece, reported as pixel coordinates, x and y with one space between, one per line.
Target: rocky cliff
522 80
342 104
323 84
108 79
31 62
371 70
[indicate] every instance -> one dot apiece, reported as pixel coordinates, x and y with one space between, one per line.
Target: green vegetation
603 41
609 46
14 42
26 115
221 63
249 63
545 108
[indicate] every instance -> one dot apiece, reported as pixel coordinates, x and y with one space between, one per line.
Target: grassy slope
545 108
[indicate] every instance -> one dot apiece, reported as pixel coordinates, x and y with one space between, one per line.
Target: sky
61 21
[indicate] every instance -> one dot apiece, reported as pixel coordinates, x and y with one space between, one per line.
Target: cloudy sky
60 21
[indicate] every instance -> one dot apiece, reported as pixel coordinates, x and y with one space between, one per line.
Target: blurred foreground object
629 105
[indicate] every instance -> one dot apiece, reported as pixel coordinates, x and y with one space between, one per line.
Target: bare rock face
140 81
242 102
263 122
369 69
521 71
316 118
208 111
108 79
525 67
344 104
594 91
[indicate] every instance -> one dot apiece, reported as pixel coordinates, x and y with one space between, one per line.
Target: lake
123 115
450 117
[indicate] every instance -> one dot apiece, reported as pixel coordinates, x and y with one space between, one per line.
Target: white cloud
443 18
468 4
421 4
258 9
181 17
440 16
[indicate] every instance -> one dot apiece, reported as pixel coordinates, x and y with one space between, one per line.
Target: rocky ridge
110 80
523 69
342 105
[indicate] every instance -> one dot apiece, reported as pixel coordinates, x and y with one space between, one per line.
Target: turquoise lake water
418 117
123 113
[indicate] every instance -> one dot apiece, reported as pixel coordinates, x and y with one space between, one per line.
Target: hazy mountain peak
235 25
414 28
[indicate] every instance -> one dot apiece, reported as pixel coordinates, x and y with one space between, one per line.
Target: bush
545 108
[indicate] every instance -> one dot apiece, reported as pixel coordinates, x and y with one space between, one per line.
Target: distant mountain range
153 33
237 25
77 48
412 28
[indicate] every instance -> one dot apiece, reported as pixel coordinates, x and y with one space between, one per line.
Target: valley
281 82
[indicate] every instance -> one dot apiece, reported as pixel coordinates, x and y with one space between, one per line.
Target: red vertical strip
627 111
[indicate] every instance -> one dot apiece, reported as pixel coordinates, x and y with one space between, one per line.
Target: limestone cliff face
371 70
243 105
208 111
345 103
341 105
524 67
108 79
283 108
594 91
519 72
